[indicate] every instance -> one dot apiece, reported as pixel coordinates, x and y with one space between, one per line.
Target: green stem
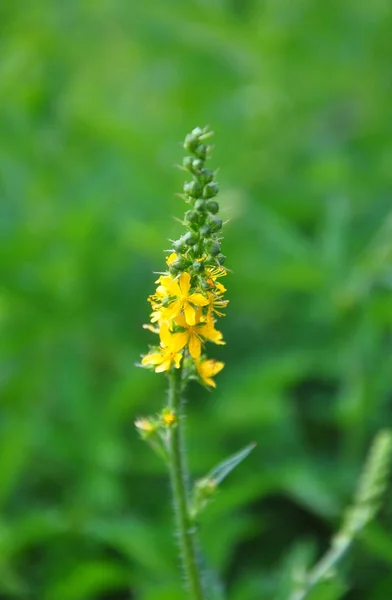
179 480
323 567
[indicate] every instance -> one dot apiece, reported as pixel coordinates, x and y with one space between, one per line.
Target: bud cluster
200 247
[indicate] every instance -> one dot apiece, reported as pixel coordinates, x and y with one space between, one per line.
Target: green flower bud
206 176
215 223
213 248
189 239
212 206
205 285
201 151
179 245
192 139
177 266
210 190
198 267
205 230
221 258
187 162
193 188
196 248
197 164
192 216
197 131
200 205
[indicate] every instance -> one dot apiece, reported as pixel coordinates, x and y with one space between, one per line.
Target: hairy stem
323 567
179 481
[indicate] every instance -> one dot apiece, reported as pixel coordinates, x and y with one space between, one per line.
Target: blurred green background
95 97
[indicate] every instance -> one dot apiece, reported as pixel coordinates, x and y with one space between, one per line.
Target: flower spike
188 298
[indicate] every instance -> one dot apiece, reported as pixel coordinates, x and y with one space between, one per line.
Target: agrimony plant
186 305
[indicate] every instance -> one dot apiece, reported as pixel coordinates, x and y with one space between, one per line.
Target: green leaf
221 471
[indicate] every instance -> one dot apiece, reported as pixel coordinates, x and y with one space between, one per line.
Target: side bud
192 139
193 188
210 190
212 206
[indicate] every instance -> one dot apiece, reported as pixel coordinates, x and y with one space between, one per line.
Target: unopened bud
197 164
198 267
193 188
179 245
201 151
177 266
205 230
213 248
212 206
192 140
192 216
189 239
206 176
187 163
221 258
215 223
197 131
210 190
200 205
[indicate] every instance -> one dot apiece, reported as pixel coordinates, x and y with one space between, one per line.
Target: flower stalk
179 483
186 304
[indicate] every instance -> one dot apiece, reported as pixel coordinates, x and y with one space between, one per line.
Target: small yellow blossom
183 301
207 369
163 359
145 425
168 417
215 303
193 336
215 272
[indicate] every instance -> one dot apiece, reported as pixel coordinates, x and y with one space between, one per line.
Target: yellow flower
207 369
215 303
183 300
215 272
156 300
193 336
163 359
168 417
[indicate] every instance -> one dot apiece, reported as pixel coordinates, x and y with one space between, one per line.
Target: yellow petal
190 313
178 341
207 369
164 366
164 334
194 346
211 367
152 359
177 360
184 283
198 299
174 309
171 258
165 280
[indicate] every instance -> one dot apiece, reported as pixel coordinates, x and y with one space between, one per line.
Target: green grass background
94 98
